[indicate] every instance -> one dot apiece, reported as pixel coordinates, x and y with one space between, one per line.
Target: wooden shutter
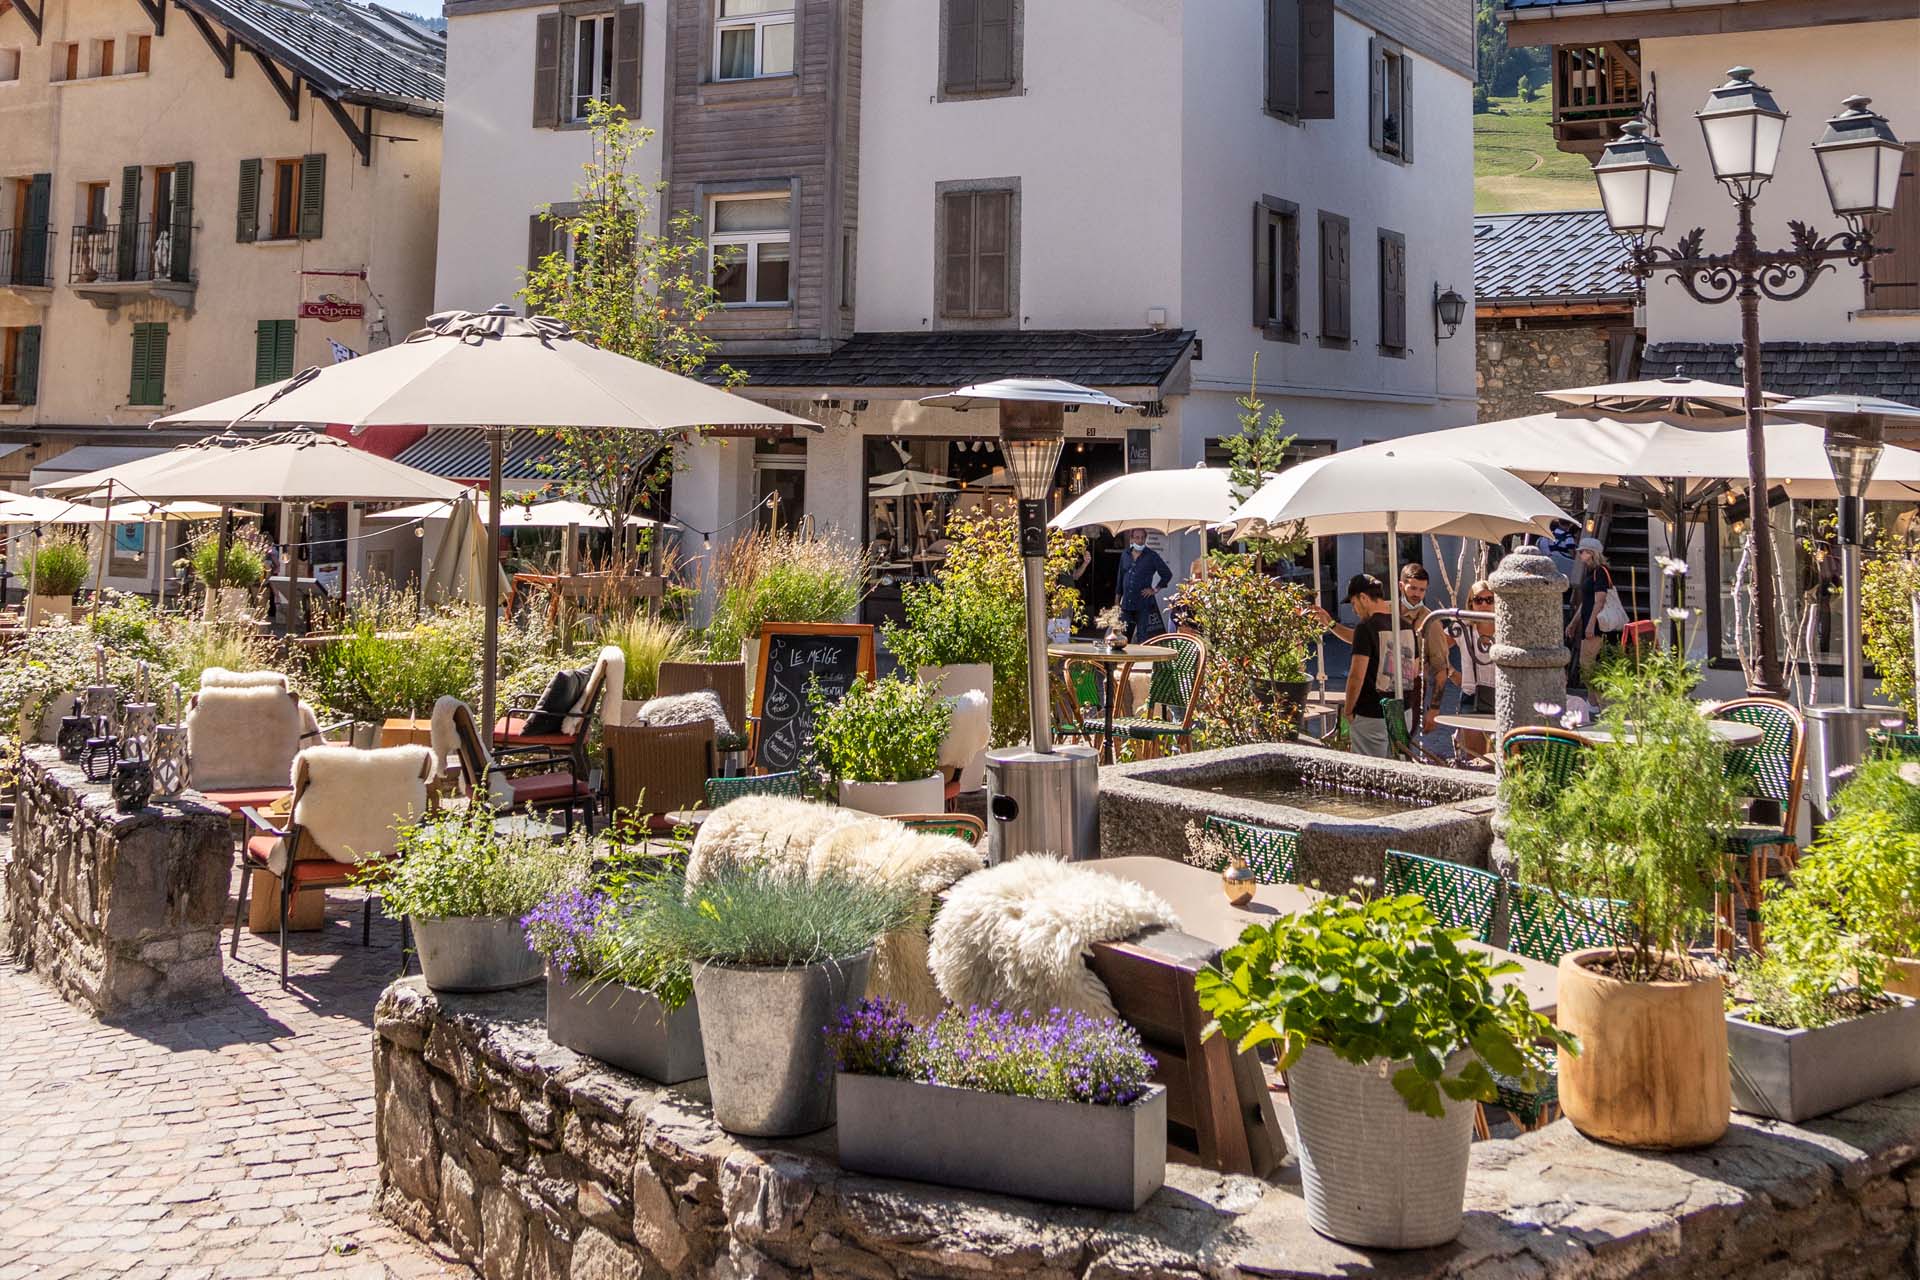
246 223
995 45
1894 278
313 196
126 253
956 268
540 233
26 365
1289 237
148 384
962 70
272 351
992 247
33 265
546 71
181 255
1405 63
1393 291
1262 265
1317 63
627 36
1335 305
1283 58
1376 108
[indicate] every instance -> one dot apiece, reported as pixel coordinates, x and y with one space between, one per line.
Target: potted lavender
625 1003
1056 1106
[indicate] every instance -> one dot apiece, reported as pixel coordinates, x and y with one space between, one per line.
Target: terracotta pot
1652 1067
1903 976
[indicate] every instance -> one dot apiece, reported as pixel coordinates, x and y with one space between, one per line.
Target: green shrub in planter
59 567
245 564
781 577
458 865
884 731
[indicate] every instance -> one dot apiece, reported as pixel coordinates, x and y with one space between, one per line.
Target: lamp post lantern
1742 126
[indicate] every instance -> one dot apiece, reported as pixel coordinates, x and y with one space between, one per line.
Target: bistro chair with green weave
1394 712
1906 746
1272 852
1173 691
1770 773
1557 751
721 790
1460 897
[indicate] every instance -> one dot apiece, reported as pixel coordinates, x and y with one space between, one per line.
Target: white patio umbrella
910 489
540 515
126 476
1176 500
1673 395
495 370
1364 491
906 475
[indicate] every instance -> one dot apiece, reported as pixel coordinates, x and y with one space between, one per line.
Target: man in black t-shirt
1372 643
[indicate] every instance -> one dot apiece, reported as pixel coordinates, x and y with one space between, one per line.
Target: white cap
1594 545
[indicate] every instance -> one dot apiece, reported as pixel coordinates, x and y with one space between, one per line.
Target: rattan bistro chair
722 790
1271 852
656 771
1559 752
1460 897
961 826
1770 773
1173 690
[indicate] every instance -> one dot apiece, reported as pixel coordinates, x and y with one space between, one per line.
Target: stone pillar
1529 638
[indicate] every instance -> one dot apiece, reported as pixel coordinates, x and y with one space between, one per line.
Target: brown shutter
1405 64
1262 265
1393 291
1376 109
1335 305
992 245
1283 57
995 45
1289 311
1316 59
956 267
546 71
963 46
1894 278
627 37
539 241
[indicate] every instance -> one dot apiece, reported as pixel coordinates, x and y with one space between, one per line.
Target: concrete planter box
1796 1075
46 608
769 1071
475 953
925 795
626 1028
1074 1152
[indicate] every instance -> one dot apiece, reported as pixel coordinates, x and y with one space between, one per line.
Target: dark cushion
550 713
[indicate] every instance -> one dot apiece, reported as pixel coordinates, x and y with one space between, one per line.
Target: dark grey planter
1796 1075
769 1071
626 1028
474 953
1073 1152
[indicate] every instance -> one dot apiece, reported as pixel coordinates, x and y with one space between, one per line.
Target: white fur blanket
1019 932
351 802
965 746
803 838
684 708
221 678
240 738
613 700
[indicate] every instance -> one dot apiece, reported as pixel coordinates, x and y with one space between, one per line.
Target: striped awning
460 453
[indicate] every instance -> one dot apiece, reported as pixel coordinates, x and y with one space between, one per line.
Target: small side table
406 731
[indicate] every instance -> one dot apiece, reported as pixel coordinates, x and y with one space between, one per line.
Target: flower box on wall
1796 1075
1074 1152
625 1027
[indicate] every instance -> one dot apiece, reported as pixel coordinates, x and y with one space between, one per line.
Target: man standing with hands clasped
1369 678
1140 565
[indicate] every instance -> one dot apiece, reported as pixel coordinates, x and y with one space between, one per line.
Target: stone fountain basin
1443 813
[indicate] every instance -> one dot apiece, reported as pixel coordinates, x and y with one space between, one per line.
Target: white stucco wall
1809 70
499 169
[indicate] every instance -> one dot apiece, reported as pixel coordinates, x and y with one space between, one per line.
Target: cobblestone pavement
236 1140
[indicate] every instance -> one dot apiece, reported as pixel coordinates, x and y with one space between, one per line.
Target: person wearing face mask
1418 619
1142 574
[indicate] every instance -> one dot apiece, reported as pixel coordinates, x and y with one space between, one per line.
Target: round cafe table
1732 733
1110 661
1468 720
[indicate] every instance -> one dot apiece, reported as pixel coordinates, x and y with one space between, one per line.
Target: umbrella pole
1393 594
220 558
106 536
490 644
1320 644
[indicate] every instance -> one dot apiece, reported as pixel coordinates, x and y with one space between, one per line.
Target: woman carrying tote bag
1600 617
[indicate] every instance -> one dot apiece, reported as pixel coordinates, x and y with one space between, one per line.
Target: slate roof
1887 369
360 53
1557 256
1096 357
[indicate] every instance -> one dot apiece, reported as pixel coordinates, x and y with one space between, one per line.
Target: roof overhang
1594 21
1596 306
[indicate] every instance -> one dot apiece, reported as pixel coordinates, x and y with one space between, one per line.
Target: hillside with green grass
1516 167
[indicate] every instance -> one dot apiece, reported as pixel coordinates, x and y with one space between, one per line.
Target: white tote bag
1610 615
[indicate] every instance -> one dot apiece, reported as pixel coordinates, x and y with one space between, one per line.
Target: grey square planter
1073 1152
1796 1075
626 1028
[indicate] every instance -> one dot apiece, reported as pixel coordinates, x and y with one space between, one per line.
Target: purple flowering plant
1060 1055
587 935
563 928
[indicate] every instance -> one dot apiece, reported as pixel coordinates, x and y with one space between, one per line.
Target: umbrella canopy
908 475
910 489
541 515
126 477
18 509
987 395
1679 395
1172 501
294 466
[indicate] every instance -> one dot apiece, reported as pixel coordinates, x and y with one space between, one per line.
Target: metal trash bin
1043 803
1836 741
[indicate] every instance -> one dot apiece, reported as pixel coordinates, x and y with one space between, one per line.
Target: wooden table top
1196 897
1095 651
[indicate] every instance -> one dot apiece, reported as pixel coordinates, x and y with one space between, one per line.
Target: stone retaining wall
119 912
535 1163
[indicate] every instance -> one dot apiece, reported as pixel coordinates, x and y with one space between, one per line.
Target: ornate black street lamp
1860 162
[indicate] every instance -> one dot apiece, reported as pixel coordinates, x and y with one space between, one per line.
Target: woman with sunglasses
1476 670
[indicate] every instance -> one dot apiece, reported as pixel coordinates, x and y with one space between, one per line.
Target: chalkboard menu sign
792 656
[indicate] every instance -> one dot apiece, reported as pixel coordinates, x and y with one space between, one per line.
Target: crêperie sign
792 656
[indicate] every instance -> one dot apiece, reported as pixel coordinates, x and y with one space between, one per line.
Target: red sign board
331 307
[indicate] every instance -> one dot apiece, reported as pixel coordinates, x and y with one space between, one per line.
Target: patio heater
1041 798
1855 428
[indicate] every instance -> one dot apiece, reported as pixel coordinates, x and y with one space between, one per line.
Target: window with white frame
750 249
592 65
9 65
752 39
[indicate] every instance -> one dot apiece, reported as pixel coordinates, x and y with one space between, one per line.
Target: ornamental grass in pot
1054 1106
1390 1027
58 568
881 745
1642 824
773 957
463 887
612 996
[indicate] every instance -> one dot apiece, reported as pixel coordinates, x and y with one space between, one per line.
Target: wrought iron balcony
26 257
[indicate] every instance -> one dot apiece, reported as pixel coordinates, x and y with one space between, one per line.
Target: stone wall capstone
534 1163
119 912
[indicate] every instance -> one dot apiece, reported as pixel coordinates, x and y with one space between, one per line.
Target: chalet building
905 197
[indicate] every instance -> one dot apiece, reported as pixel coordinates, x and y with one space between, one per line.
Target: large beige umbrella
127 476
293 466
540 515
496 370
1674 395
1170 501
1364 491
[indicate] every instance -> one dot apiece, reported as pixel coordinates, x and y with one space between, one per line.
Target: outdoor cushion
544 787
562 695
306 871
520 738
256 798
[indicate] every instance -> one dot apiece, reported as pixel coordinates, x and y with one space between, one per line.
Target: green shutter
313 195
283 350
26 366
246 228
33 267
181 262
127 252
137 375
148 384
272 351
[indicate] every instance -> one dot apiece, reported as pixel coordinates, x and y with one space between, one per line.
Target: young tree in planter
628 288
1260 450
1258 630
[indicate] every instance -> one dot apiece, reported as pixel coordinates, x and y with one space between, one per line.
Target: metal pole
1767 682
490 594
1320 643
215 587
1037 710
106 536
1852 661
1393 594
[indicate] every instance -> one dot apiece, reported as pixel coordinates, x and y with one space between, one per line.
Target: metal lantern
99 757
132 785
101 701
1449 308
137 720
1742 124
1859 160
167 755
74 732
1636 181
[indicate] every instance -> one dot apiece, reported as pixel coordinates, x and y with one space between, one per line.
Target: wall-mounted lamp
1449 309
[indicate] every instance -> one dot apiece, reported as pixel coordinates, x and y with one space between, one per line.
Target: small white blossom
1671 567
1679 615
1571 720
1547 709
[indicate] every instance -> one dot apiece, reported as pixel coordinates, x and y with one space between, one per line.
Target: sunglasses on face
1481 600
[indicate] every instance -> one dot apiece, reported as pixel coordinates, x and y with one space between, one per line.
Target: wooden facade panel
1751 15
1441 30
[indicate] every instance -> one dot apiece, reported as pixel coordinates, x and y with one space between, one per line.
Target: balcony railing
1596 89
26 257
154 252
